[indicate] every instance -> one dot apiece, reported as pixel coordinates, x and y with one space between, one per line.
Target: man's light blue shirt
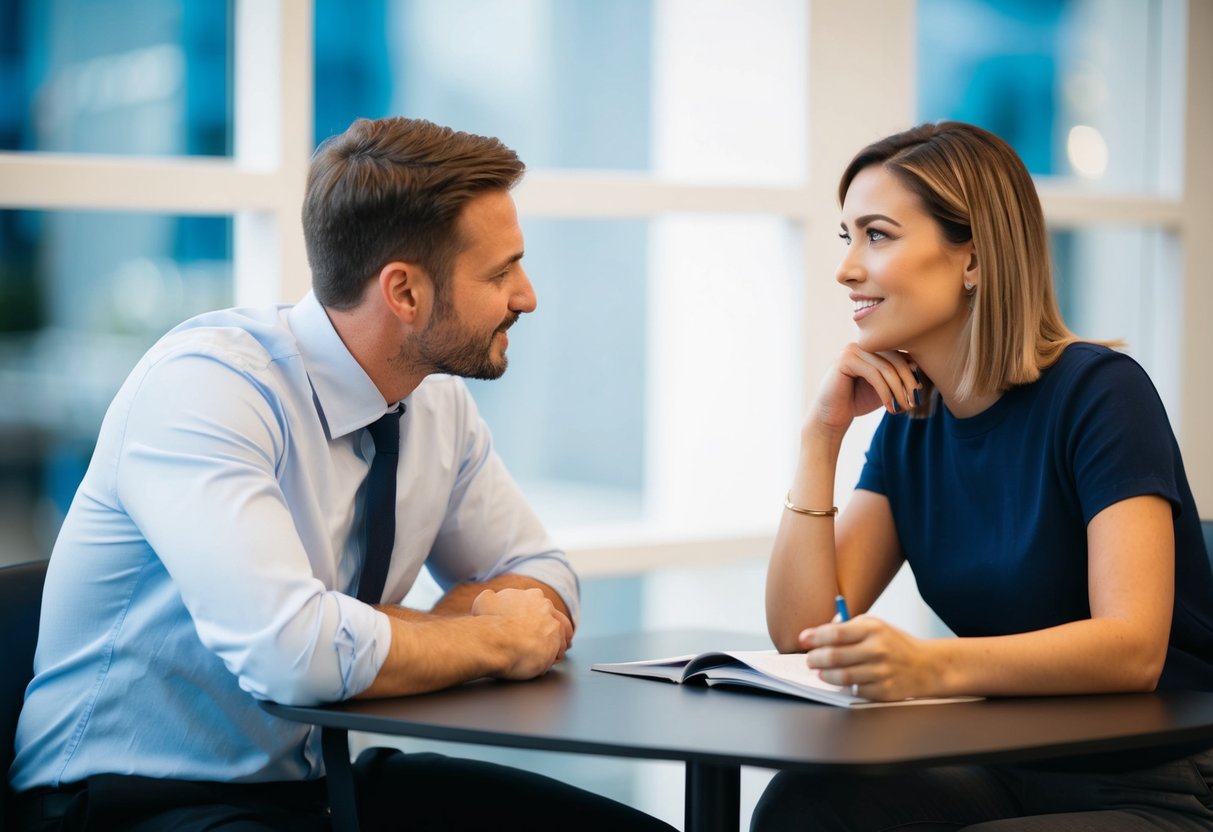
211 554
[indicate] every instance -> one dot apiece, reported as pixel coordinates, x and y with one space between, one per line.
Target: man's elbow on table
329 650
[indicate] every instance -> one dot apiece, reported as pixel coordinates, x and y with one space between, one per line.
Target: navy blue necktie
379 514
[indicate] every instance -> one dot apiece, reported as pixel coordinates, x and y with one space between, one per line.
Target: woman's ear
972 273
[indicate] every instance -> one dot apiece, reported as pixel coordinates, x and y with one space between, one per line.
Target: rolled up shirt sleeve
197 471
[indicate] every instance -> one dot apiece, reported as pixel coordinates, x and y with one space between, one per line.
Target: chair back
20 608
1206 526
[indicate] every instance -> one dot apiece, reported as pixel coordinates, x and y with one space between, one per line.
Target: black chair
1206 526
20 608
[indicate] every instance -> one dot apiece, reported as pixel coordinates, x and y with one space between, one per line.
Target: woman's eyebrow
868 219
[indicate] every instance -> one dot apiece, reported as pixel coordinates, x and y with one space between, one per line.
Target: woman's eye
875 235
845 237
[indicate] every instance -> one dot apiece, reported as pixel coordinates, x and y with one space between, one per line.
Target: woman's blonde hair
977 188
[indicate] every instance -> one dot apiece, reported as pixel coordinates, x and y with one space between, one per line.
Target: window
84 295
1088 90
1090 93
1119 282
679 209
136 77
699 128
663 339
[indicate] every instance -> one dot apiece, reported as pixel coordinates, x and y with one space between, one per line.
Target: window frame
860 85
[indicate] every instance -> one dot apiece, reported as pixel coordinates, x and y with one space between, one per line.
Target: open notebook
769 670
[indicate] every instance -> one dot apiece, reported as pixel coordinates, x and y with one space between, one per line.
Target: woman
1032 482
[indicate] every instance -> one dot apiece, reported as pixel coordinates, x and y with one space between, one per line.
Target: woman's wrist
809 512
821 441
942 667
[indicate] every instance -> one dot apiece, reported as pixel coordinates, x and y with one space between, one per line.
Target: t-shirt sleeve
1120 444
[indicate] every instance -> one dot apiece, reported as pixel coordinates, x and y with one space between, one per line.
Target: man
214 551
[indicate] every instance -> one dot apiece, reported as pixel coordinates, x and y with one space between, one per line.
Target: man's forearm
513 632
403 613
430 652
459 600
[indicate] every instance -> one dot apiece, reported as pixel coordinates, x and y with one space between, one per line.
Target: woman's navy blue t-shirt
992 511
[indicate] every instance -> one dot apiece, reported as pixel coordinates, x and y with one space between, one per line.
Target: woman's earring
969 287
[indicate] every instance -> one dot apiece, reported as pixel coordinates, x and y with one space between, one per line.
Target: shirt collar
344 393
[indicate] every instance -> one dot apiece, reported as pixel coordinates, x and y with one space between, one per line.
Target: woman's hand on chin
860 382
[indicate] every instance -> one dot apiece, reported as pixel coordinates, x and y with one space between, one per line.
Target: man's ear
406 290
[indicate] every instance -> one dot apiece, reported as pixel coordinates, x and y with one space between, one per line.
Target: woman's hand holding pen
884 663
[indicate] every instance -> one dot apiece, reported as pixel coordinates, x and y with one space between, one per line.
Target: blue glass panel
993 63
570 410
714 95
566 84
1122 283
1078 88
82 296
117 77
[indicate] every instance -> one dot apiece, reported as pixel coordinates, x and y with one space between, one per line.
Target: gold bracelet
812 512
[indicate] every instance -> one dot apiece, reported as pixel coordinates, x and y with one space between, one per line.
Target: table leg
335 745
713 798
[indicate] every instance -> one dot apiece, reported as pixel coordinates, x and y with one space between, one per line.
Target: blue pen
844 614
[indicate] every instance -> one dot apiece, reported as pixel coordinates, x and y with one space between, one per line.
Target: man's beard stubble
445 346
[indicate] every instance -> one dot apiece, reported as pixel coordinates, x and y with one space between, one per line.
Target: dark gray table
716 731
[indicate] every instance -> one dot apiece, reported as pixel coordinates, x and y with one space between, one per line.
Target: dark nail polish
917 401
896 407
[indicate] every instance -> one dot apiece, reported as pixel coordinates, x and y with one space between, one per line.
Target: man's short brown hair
392 189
